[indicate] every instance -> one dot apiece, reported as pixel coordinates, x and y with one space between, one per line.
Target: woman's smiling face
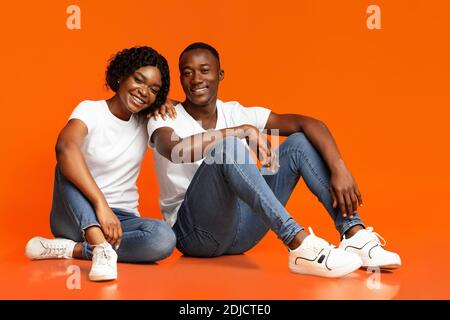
139 90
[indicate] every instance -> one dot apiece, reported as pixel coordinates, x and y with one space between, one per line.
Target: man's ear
221 75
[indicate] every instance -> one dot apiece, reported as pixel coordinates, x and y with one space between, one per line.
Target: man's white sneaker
104 263
366 243
39 248
317 257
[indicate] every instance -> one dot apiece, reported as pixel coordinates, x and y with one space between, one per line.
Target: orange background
383 93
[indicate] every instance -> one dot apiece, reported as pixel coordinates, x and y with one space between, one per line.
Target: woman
99 152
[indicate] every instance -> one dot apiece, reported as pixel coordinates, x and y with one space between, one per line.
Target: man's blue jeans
143 239
229 206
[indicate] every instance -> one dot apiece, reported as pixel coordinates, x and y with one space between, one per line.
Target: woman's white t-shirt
174 178
114 150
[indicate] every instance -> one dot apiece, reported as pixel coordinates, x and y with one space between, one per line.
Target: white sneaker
39 248
317 257
366 243
104 263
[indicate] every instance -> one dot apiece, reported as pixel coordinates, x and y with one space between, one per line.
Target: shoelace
318 243
103 256
53 249
376 237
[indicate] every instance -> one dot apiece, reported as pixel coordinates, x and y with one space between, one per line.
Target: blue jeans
230 206
143 240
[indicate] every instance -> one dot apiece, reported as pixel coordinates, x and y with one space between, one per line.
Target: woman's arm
74 168
72 162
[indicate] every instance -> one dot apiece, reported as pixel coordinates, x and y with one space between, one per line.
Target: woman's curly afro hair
126 62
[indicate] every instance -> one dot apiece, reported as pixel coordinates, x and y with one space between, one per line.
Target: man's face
200 74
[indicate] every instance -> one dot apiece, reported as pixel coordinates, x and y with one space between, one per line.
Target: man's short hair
200 45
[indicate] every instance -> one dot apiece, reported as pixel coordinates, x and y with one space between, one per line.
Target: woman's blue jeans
143 239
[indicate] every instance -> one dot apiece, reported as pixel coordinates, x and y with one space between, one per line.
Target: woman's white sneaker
317 257
366 243
39 248
104 263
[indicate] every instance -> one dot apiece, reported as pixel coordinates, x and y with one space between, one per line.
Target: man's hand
344 191
110 225
259 143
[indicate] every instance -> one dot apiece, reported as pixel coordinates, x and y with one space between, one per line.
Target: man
216 198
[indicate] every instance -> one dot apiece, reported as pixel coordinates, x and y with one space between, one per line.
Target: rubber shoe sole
335 273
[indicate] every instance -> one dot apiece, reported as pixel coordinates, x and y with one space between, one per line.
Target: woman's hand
167 108
344 191
110 224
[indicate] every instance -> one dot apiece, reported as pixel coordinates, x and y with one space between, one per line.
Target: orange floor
417 230
260 274
413 219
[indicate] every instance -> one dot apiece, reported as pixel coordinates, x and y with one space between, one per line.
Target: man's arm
193 148
345 192
316 131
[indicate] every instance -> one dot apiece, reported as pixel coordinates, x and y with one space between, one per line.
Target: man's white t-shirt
174 178
114 150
